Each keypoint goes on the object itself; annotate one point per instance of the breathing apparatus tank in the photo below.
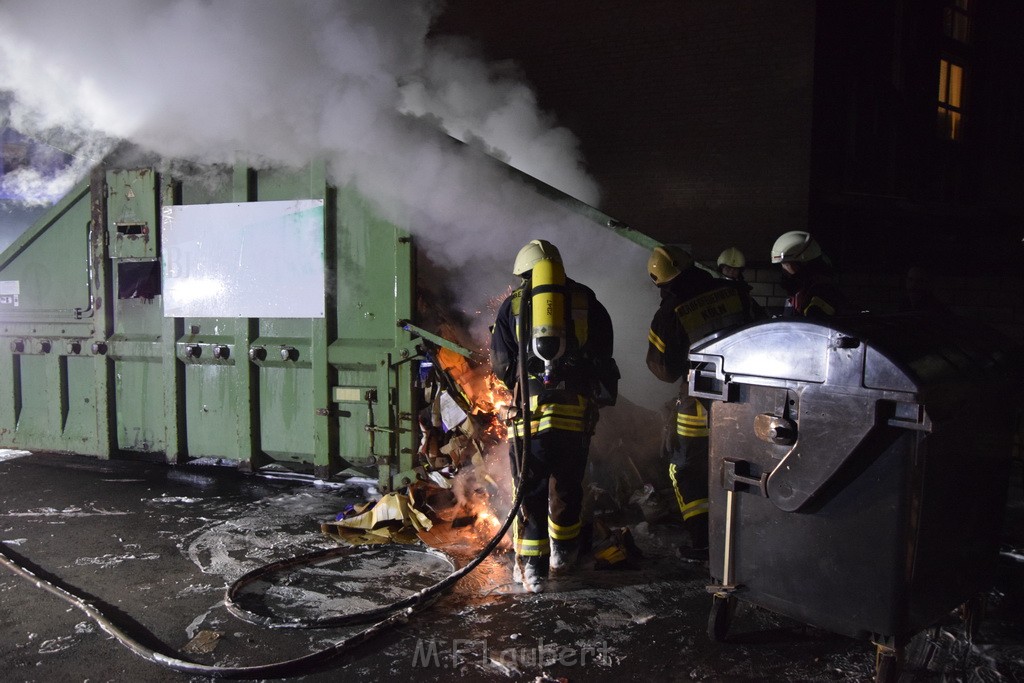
(547, 325)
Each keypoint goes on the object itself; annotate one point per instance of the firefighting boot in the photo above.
(563, 556)
(698, 528)
(531, 572)
(697, 550)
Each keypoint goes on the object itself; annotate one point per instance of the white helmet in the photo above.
(795, 246)
(733, 258)
(533, 251)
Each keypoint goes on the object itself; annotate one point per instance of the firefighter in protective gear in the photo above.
(731, 263)
(571, 373)
(812, 293)
(694, 304)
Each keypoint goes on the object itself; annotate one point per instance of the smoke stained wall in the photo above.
(357, 83)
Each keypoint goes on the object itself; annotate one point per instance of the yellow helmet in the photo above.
(795, 245)
(535, 250)
(732, 257)
(666, 262)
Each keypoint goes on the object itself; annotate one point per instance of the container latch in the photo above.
(736, 472)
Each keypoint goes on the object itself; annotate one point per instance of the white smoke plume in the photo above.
(356, 82)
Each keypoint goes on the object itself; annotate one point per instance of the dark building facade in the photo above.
(918, 132)
(893, 130)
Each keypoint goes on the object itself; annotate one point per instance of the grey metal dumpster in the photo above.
(858, 469)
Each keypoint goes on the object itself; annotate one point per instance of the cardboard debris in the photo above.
(203, 644)
(439, 479)
(452, 414)
(392, 519)
(463, 445)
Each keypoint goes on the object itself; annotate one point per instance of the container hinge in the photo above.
(775, 429)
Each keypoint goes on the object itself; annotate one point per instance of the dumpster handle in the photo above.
(731, 478)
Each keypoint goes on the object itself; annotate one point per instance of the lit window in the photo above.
(951, 84)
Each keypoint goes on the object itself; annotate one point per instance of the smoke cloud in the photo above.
(357, 83)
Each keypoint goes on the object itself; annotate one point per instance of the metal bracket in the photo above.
(707, 380)
(434, 339)
(734, 474)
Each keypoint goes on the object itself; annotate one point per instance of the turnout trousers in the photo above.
(686, 445)
(552, 483)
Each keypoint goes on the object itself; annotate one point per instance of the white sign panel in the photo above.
(244, 260)
(9, 291)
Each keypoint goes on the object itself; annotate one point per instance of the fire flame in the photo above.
(487, 524)
(484, 396)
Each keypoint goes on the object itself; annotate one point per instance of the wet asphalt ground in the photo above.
(153, 547)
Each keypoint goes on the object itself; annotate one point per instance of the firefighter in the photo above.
(731, 263)
(694, 304)
(812, 293)
(571, 373)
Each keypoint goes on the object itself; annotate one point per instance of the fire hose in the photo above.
(398, 612)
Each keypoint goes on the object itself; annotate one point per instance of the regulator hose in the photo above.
(398, 612)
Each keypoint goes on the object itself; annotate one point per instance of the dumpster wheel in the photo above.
(720, 617)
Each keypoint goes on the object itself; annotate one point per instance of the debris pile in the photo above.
(463, 492)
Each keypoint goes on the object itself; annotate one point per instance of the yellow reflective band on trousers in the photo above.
(694, 426)
(564, 533)
(656, 341)
(568, 418)
(526, 546)
(688, 508)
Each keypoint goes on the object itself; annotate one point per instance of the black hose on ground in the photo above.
(398, 612)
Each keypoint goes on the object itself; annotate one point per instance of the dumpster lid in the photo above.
(895, 352)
